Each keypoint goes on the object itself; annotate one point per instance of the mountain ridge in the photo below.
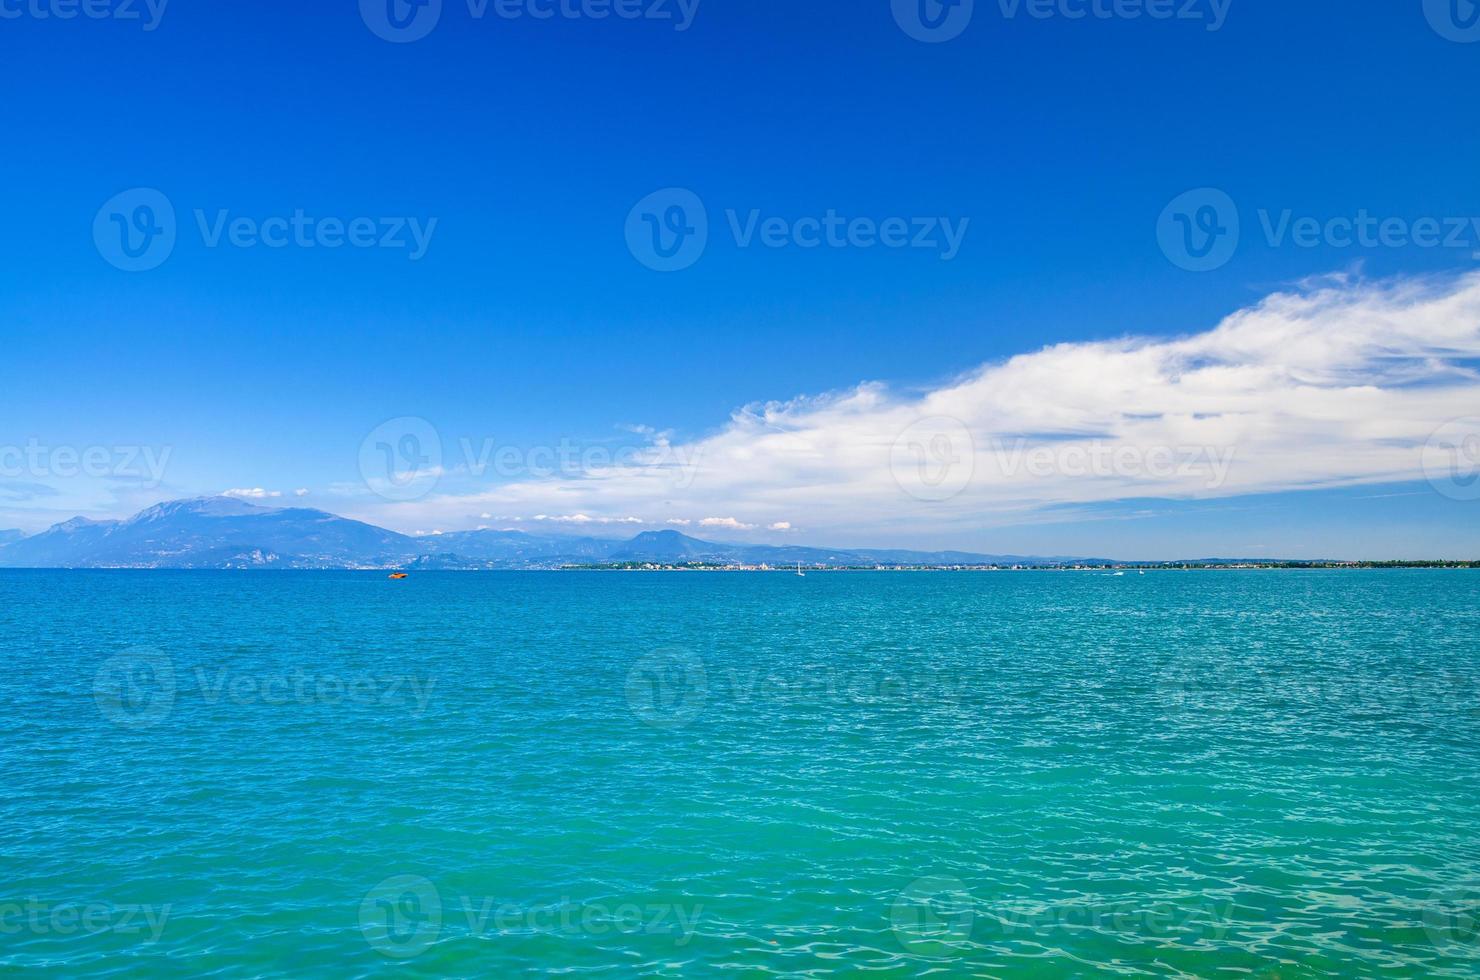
(226, 532)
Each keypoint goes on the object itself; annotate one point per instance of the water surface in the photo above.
(899, 774)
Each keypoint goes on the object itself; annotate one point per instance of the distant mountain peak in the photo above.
(229, 532)
(219, 506)
(78, 523)
(665, 545)
(664, 535)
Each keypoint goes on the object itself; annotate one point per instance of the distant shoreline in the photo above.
(732, 569)
(1118, 567)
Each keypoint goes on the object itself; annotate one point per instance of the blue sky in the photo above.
(1055, 143)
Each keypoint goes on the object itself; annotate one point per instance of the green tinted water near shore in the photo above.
(1035, 774)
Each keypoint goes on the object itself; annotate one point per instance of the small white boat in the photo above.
(800, 573)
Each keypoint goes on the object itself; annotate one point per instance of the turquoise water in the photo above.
(1012, 774)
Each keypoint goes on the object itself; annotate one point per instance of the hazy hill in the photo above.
(224, 532)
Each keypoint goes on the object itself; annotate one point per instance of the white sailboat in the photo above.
(800, 573)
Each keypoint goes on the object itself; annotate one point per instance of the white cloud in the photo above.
(679, 521)
(301, 492)
(1339, 382)
(726, 522)
(255, 493)
(587, 519)
(779, 526)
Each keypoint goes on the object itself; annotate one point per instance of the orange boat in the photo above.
(399, 575)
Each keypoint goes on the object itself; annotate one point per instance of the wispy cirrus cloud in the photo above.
(1337, 382)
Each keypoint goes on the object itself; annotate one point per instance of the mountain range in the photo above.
(225, 532)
